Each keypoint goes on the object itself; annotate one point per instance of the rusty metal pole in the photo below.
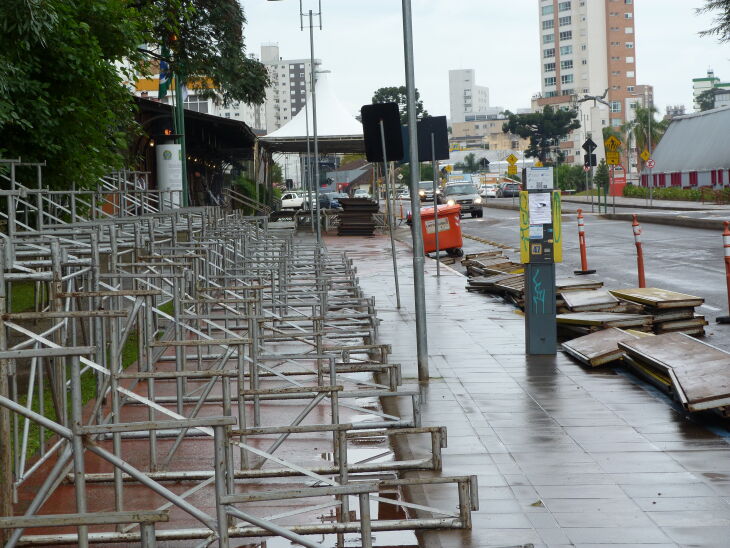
(639, 252)
(582, 241)
(726, 246)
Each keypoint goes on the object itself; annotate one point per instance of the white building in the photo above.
(469, 102)
(290, 83)
(588, 48)
(700, 85)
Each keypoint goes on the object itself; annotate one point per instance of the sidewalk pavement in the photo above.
(564, 456)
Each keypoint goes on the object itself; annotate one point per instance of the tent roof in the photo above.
(695, 142)
(337, 130)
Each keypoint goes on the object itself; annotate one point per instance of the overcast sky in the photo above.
(361, 43)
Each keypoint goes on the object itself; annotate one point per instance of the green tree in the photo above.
(721, 22)
(398, 95)
(570, 177)
(64, 66)
(426, 172)
(277, 175)
(207, 48)
(600, 178)
(544, 129)
(638, 129)
(469, 165)
(706, 100)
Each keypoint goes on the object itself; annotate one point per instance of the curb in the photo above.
(663, 208)
(674, 220)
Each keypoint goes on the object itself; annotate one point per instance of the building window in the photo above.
(563, 6)
(549, 67)
(629, 45)
(547, 53)
(630, 74)
(547, 10)
(548, 24)
(564, 21)
(630, 88)
(549, 94)
(629, 59)
(628, 15)
(566, 65)
(566, 79)
(615, 106)
(628, 1)
(566, 35)
(584, 62)
(550, 81)
(548, 38)
(616, 122)
(566, 50)
(629, 30)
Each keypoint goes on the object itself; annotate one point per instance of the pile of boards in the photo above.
(695, 373)
(648, 309)
(356, 218)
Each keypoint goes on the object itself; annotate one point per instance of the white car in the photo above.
(293, 200)
(361, 193)
(488, 191)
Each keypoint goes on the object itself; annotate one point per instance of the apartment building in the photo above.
(468, 101)
(290, 83)
(700, 85)
(588, 48)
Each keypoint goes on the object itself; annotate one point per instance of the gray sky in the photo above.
(361, 43)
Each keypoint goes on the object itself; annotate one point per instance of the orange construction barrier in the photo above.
(582, 241)
(639, 251)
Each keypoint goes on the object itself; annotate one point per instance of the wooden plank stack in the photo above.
(356, 218)
(671, 311)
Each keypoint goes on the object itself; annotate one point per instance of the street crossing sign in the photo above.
(612, 144)
(589, 146)
(645, 155)
(512, 170)
(512, 159)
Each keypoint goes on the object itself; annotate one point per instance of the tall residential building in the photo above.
(469, 101)
(588, 48)
(290, 83)
(700, 85)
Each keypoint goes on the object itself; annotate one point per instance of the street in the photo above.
(687, 260)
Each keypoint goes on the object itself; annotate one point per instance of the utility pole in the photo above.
(179, 119)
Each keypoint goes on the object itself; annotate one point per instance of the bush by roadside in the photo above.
(703, 194)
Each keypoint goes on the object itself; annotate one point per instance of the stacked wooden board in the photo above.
(671, 311)
(698, 373)
(356, 218)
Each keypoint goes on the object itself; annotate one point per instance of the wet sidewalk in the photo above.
(564, 456)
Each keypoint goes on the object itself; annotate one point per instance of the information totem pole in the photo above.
(541, 247)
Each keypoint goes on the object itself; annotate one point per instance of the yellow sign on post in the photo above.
(538, 163)
(511, 170)
(512, 159)
(613, 158)
(645, 155)
(612, 144)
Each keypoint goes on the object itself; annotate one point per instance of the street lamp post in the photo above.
(418, 258)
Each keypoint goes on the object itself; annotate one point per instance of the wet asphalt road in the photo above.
(688, 260)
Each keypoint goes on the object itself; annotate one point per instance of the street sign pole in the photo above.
(419, 282)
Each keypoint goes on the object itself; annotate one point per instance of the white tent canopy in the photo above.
(337, 130)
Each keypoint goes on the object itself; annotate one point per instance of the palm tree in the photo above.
(638, 128)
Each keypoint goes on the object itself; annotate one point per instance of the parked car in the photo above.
(361, 193)
(488, 191)
(464, 194)
(508, 190)
(403, 194)
(293, 200)
(330, 200)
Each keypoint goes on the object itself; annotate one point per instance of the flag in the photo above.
(165, 74)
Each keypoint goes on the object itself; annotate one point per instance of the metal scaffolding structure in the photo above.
(174, 360)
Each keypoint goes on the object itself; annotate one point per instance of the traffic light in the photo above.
(589, 160)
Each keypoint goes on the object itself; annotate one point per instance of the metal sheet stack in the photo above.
(356, 218)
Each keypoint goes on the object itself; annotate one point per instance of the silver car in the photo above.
(466, 195)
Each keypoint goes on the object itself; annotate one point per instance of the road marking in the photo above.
(708, 307)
